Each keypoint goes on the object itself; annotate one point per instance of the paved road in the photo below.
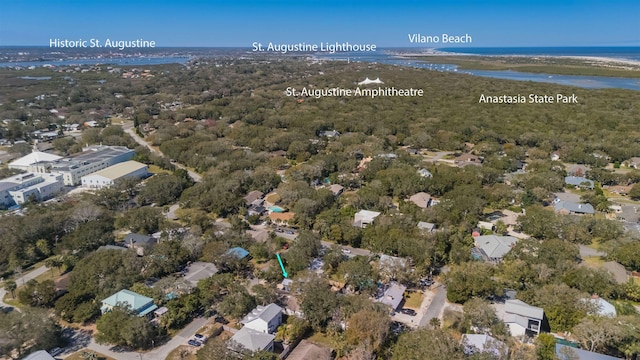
(158, 353)
(23, 280)
(436, 306)
(352, 251)
(586, 251)
(171, 214)
(128, 128)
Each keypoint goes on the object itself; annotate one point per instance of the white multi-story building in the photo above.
(90, 160)
(107, 177)
(17, 189)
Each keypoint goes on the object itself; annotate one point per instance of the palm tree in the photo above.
(89, 355)
(11, 287)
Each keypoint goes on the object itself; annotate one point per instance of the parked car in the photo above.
(221, 320)
(194, 343)
(346, 251)
(200, 337)
(409, 312)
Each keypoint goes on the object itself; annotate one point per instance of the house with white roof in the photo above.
(482, 343)
(265, 319)
(364, 218)
(602, 306)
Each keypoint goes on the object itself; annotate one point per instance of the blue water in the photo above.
(587, 82)
(618, 52)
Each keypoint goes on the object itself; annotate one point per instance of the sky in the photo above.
(239, 23)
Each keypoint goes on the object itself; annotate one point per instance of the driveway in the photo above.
(160, 352)
(567, 196)
(23, 280)
(586, 251)
(436, 307)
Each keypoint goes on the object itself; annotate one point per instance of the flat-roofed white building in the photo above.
(107, 177)
(17, 189)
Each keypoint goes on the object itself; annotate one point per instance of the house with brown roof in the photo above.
(421, 199)
(253, 196)
(620, 189)
(281, 218)
(620, 274)
(468, 159)
(308, 350)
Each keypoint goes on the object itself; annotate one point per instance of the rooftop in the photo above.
(518, 307)
(494, 246)
(34, 157)
(136, 302)
(572, 207)
(250, 340)
(119, 170)
(238, 252)
(266, 313)
(393, 295)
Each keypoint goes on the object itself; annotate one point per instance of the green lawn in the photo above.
(413, 300)
(594, 261)
(78, 355)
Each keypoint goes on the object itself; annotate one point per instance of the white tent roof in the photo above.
(33, 158)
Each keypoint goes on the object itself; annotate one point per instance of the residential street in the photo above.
(128, 128)
(160, 352)
(22, 280)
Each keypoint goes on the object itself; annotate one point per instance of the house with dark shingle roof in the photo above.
(579, 182)
(571, 208)
(139, 242)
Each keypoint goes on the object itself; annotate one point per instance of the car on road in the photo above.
(195, 343)
(409, 312)
(346, 251)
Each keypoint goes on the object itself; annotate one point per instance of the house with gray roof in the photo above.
(393, 295)
(247, 340)
(579, 182)
(564, 352)
(620, 274)
(265, 319)
(482, 343)
(493, 247)
(426, 226)
(139, 242)
(523, 319)
(571, 208)
(39, 355)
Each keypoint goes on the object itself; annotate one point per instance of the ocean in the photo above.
(614, 52)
